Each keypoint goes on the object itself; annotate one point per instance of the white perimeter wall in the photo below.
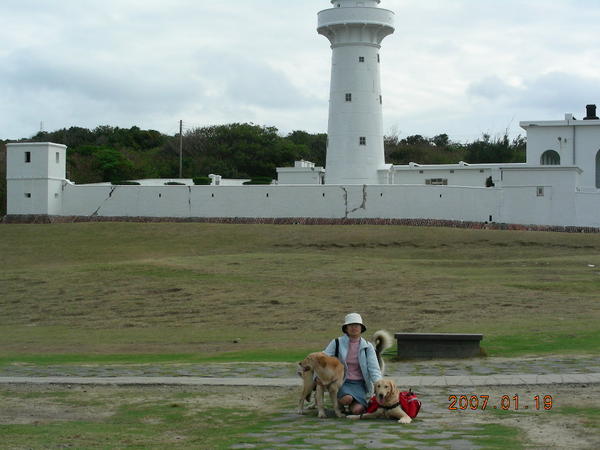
(587, 208)
(510, 205)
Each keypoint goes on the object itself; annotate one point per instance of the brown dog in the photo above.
(325, 373)
(387, 395)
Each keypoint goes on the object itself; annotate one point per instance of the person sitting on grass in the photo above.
(360, 363)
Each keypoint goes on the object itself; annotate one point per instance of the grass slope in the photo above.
(187, 291)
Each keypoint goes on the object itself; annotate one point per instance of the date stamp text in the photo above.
(514, 402)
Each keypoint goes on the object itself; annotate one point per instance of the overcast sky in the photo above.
(462, 67)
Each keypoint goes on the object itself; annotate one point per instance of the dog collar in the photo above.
(395, 405)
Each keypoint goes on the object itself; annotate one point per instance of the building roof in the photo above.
(569, 121)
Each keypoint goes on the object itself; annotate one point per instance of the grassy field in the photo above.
(127, 417)
(186, 292)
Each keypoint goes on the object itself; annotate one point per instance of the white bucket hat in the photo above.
(353, 318)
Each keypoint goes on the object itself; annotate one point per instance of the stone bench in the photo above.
(437, 345)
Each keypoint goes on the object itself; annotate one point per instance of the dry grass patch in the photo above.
(101, 288)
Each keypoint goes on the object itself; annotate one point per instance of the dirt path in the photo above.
(571, 422)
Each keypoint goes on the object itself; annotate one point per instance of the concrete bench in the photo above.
(437, 345)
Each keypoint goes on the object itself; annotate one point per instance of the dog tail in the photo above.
(383, 340)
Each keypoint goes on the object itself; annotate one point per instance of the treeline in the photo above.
(440, 150)
(232, 151)
(238, 150)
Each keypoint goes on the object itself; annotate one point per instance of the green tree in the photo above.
(497, 150)
(112, 164)
(314, 146)
(238, 150)
(441, 140)
(72, 137)
(91, 164)
(419, 149)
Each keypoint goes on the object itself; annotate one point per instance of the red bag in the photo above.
(372, 406)
(410, 404)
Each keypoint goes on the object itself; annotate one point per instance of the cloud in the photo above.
(551, 91)
(145, 62)
(133, 87)
(490, 88)
(150, 63)
(559, 90)
(251, 82)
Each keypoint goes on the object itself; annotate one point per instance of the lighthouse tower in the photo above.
(355, 29)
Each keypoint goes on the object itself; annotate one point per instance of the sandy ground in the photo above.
(558, 427)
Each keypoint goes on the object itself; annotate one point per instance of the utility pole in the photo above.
(181, 149)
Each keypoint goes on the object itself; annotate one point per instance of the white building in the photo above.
(303, 172)
(567, 142)
(558, 185)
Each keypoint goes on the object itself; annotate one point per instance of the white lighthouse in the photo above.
(355, 29)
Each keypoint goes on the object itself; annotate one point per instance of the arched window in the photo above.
(550, 158)
(598, 169)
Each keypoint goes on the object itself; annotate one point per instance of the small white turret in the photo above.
(35, 173)
(355, 29)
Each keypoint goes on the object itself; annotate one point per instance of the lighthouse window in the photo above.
(381, 100)
(378, 58)
(57, 157)
(361, 59)
(28, 195)
(348, 97)
(362, 140)
(27, 157)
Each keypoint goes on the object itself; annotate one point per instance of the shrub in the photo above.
(124, 183)
(202, 181)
